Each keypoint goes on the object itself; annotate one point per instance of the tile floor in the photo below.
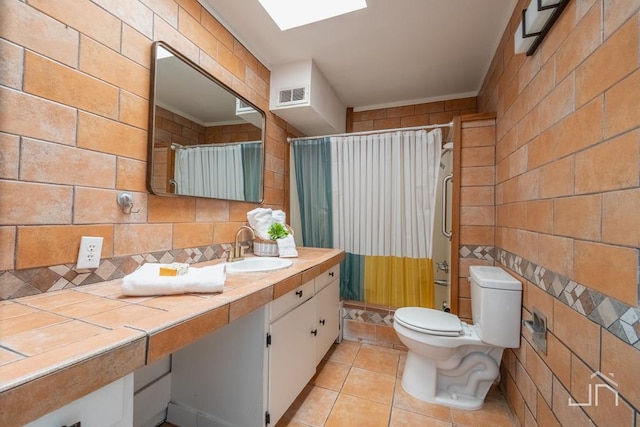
(360, 385)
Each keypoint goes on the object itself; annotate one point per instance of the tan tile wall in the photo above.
(567, 199)
(429, 113)
(477, 201)
(74, 85)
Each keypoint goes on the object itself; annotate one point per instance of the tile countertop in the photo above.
(59, 346)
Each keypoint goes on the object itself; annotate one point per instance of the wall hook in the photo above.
(125, 200)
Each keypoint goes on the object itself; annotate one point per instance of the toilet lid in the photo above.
(430, 321)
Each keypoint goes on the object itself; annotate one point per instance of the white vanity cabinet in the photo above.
(111, 405)
(291, 339)
(249, 372)
(327, 297)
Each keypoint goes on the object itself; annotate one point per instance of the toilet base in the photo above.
(451, 400)
(463, 386)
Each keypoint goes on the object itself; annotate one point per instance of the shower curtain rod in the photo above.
(443, 125)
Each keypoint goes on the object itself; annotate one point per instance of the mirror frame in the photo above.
(152, 121)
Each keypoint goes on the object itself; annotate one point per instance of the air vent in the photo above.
(292, 96)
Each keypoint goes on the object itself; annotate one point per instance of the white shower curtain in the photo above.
(210, 171)
(383, 192)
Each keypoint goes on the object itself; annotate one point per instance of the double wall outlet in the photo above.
(89, 253)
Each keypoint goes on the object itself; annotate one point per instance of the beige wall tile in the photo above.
(95, 206)
(7, 248)
(556, 253)
(611, 270)
(131, 175)
(85, 17)
(609, 64)
(55, 122)
(619, 217)
(578, 217)
(557, 178)
(60, 164)
(540, 373)
(141, 238)
(10, 149)
(477, 196)
(59, 83)
(191, 234)
(624, 362)
(579, 130)
(586, 345)
(544, 414)
(607, 411)
(108, 136)
(483, 175)
(137, 15)
(476, 235)
(34, 244)
(567, 415)
(593, 166)
(11, 65)
(478, 156)
(21, 203)
(39, 32)
(171, 209)
(558, 104)
(580, 43)
(135, 45)
(618, 117)
(134, 110)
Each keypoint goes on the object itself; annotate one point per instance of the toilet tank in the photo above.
(496, 306)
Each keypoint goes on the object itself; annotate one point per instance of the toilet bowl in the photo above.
(450, 362)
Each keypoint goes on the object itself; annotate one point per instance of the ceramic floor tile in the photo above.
(89, 307)
(495, 412)
(378, 359)
(352, 411)
(330, 375)
(9, 309)
(345, 352)
(311, 407)
(403, 400)
(61, 298)
(370, 385)
(402, 418)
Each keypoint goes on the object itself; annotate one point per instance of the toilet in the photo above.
(453, 363)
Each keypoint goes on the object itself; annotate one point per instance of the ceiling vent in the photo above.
(302, 96)
(292, 96)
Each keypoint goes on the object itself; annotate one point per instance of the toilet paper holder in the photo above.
(538, 328)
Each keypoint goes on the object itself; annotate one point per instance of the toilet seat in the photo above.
(429, 321)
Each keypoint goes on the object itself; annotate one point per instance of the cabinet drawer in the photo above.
(291, 300)
(327, 277)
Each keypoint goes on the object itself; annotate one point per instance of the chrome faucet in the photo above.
(443, 266)
(237, 252)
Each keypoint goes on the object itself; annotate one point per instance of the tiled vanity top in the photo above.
(59, 346)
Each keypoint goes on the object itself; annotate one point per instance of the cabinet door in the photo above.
(111, 405)
(291, 357)
(328, 318)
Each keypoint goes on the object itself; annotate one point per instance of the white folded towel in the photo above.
(287, 247)
(279, 216)
(146, 281)
(260, 219)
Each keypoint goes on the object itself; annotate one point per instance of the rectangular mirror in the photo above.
(204, 139)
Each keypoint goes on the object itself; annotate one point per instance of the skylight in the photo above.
(289, 14)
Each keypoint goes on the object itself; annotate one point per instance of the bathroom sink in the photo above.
(254, 265)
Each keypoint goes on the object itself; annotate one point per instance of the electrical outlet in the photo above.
(89, 253)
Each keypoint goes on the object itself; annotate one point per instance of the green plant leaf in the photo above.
(277, 231)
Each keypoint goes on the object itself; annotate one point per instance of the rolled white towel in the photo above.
(287, 247)
(260, 219)
(146, 281)
(279, 216)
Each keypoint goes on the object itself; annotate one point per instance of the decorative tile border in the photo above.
(363, 315)
(617, 317)
(32, 281)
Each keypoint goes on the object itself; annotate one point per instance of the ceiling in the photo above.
(394, 52)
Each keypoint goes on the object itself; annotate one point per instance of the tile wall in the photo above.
(567, 193)
(74, 89)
